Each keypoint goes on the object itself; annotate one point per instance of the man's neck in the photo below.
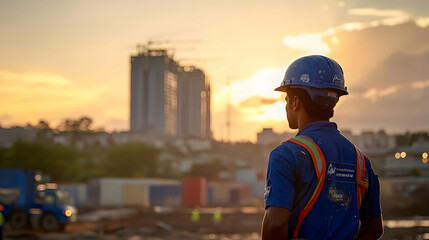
(306, 120)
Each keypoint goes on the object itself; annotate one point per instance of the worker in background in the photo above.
(217, 219)
(1, 221)
(319, 185)
(195, 218)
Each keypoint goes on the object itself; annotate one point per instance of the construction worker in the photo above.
(1, 221)
(195, 218)
(217, 219)
(319, 185)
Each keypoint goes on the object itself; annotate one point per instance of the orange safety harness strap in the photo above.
(319, 163)
(362, 183)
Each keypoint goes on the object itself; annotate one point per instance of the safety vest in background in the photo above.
(195, 215)
(217, 216)
(1, 219)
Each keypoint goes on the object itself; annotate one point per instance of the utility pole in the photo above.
(228, 107)
(228, 110)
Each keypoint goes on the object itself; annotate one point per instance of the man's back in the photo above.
(292, 179)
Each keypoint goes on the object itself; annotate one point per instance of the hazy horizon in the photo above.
(72, 58)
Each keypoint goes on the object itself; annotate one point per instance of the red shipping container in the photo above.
(244, 191)
(194, 191)
(239, 192)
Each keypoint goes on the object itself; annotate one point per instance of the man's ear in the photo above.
(296, 104)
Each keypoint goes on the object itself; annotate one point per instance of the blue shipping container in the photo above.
(165, 195)
(210, 195)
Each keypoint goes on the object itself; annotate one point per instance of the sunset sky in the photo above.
(71, 58)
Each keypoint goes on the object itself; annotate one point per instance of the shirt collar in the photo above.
(314, 126)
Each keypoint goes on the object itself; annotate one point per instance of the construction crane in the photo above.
(228, 106)
(150, 44)
(203, 61)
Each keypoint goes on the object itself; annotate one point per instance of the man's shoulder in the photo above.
(288, 150)
(287, 147)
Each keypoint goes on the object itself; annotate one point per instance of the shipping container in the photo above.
(242, 192)
(135, 195)
(221, 194)
(229, 193)
(111, 192)
(245, 176)
(93, 191)
(210, 195)
(194, 191)
(106, 192)
(165, 195)
(234, 196)
(257, 189)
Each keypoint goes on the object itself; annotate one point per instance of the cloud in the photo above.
(308, 43)
(316, 43)
(378, 13)
(420, 84)
(385, 62)
(257, 101)
(262, 83)
(386, 73)
(422, 22)
(400, 68)
(389, 17)
(373, 94)
(33, 79)
(272, 112)
(27, 97)
(362, 52)
(394, 97)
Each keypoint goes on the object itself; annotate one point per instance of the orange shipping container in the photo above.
(194, 191)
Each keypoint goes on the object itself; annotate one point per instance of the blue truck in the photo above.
(28, 200)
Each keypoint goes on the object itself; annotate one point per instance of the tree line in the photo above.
(64, 163)
(71, 163)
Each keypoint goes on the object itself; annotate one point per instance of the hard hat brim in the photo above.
(281, 88)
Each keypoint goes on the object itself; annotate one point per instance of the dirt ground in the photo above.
(147, 224)
(140, 224)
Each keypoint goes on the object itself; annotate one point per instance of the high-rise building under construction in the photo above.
(168, 100)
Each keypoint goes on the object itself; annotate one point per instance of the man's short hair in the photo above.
(322, 108)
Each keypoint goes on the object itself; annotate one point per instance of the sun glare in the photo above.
(309, 43)
(265, 113)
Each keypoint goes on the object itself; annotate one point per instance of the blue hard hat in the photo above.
(318, 75)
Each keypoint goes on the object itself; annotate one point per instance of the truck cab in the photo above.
(53, 209)
(30, 200)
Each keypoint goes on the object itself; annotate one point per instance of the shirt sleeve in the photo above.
(280, 183)
(370, 207)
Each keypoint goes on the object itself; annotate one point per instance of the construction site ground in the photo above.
(175, 224)
(140, 224)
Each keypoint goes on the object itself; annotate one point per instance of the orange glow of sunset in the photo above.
(65, 59)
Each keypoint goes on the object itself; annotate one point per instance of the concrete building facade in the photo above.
(194, 104)
(168, 100)
(153, 94)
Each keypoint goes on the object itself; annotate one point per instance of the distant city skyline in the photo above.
(69, 58)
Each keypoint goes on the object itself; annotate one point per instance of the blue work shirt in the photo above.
(291, 179)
